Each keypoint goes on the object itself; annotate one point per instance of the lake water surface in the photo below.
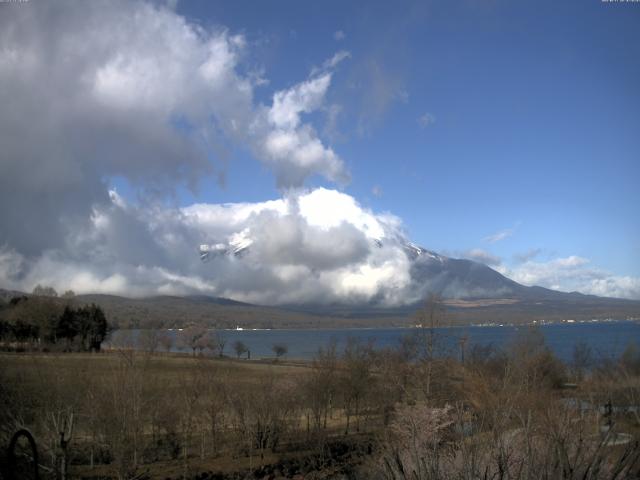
(606, 339)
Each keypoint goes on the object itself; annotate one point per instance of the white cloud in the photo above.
(302, 98)
(327, 209)
(133, 90)
(570, 262)
(336, 59)
(293, 150)
(339, 35)
(615, 286)
(426, 120)
(296, 154)
(573, 273)
(502, 234)
(320, 246)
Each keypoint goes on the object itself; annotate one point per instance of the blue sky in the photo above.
(503, 132)
(534, 108)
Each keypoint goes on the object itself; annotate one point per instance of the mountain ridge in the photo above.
(472, 292)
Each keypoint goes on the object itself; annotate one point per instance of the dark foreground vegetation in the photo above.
(412, 412)
(415, 412)
(43, 321)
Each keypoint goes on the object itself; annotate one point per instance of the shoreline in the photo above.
(540, 323)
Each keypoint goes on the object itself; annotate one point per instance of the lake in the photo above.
(606, 339)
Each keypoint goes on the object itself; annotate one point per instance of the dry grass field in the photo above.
(392, 414)
(165, 407)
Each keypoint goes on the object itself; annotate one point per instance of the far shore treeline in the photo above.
(47, 321)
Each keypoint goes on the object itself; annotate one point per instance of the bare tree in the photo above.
(222, 341)
(148, 340)
(192, 388)
(123, 410)
(319, 387)
(202, 343)
(216, 384)
(240, 348)
(431, 316)
(582, 360)
(44, 291)
(356, 379)
(534, 362)
(165, 339)
(193, 338)
(280, 349)
(60, 404)
(393, 376)
(413, 447)
(211, 342)
(262, 413)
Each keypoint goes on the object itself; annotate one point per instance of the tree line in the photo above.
(45, 321)
(195, 339)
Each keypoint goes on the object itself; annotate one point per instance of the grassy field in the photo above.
(49, 387)
(166, 367)
(363, 414)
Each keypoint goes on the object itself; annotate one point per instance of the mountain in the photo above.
(451, 278)
(455, 278)
(458, 278)
(473, 293)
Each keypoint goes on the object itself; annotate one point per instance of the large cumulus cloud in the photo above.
(296, 252)
(93, 90)
(97, 90)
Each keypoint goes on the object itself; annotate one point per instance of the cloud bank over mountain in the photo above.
(319, 247)
(93, 91)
